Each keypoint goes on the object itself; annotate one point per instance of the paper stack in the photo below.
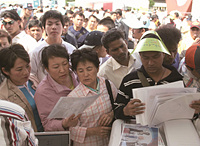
(165, 102)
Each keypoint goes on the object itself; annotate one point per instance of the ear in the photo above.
(5, 72)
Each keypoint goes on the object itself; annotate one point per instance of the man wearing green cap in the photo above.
(152, 52)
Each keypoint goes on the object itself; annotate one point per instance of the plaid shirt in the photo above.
(89, 117)
(189, 79)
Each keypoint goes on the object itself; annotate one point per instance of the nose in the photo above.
(62, 69)
(26, 71)
(85, 73)
(150, 62)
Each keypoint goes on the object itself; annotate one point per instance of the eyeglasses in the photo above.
(10, 22)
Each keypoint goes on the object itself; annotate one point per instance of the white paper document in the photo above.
(160, 99)
(66, 106)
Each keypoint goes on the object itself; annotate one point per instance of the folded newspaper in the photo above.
(66, 106)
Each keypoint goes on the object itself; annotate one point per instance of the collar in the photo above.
(116, 65)
(20, 35)
(97, 90)
(86, 90)
(60, 88)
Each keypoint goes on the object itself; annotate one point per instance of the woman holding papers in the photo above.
(93, 126)
(19, 86)
(60, 81)
(152, 51)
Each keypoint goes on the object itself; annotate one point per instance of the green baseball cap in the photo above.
(151, 44)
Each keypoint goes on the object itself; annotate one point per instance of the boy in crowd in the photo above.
(53, 24)
(36, 30)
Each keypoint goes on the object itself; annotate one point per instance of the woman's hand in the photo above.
(106, 119)
(71, 121)
(134, 107)
(196, 105)
(99, 131)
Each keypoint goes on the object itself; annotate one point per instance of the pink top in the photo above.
(46, 96)
(89, 117)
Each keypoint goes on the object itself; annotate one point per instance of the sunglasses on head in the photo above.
(10, 22)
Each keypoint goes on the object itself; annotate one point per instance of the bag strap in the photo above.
(143, 79)
(110, 93)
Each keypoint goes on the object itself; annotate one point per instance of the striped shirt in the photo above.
(132, 81)
(15, 129)
(89, 117)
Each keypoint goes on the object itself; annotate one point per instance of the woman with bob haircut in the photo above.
(19, 87)
(93, 127)
(59, 81)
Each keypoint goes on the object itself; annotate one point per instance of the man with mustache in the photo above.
(192, 37)
(121, 61)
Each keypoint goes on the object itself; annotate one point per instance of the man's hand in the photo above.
(196, 105)
(134, 107)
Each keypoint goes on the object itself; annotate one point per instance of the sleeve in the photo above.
(78, 133)
(121, 101)
(33, 63)
(45, 105)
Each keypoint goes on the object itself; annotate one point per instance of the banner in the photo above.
(182, 6)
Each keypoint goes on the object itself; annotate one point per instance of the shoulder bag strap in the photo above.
(143, 79)
(110, 93)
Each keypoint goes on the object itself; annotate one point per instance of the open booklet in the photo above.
(66, 106)
(135, 134)
(165, 102)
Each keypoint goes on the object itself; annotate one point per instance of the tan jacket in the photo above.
(10, 92)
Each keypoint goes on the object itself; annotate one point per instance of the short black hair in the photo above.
(93, 17)
(69, 12)
(66, 19)
(110, 36)
(83, 55)
(34, 22)
(170, 35)
(54, 50)
(119, 11)
(78, 13)
(9, 55)
(10, 14)
(108, 22)
(52, 14)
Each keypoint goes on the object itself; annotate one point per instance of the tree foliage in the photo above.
(151, 3)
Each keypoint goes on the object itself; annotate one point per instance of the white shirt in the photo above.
(28, 42)
(35, 56)
(115, 72)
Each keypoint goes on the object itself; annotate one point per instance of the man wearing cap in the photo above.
(93, 40)
(138, 28)
(193, 36)
(12, 23)
(190, 69)
(121, 61)
(27, 16)
(152, 72)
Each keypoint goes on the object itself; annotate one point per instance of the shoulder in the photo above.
(69, 47)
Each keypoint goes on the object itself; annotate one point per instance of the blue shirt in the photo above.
(29, 92)
(79, 35)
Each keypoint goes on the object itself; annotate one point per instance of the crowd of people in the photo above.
(48, 54)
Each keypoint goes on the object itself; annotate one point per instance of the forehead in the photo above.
(102, 28)
(79, 17)
(53, 20)
(150, 53)
(35, 27)
(7, 19)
